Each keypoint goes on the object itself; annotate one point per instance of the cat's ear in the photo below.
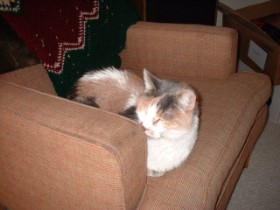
(151, 81)
(186, 100)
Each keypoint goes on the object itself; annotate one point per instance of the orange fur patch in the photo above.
(110, 88)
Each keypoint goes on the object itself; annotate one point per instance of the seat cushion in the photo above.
(229, 108)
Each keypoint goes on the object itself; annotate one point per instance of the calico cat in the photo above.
(166, 109)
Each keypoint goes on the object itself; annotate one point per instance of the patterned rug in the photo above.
(72, 38)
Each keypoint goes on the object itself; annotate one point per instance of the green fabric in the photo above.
(105, 38)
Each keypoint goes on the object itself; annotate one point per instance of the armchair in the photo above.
(58, 154)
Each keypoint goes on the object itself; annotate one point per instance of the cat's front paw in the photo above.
(154, 173)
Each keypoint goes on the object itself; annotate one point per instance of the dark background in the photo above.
(182, 11)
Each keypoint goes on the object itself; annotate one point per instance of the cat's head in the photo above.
(166, 109)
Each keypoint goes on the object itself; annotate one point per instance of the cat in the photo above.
(166, 109)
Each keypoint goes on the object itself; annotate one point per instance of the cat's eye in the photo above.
(156, 121)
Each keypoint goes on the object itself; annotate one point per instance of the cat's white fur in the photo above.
(109, 73)
(168, 150)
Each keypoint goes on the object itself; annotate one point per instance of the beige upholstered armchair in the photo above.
(58, 154)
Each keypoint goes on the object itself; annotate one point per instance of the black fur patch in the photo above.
(89, 101)
(72, 94)
(167, 102)
(85, 100)
(130, 113)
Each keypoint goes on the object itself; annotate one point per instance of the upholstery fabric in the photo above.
(188, 51)
(196, 185)
(242, 160)
(55, 152)
(34, 77)
(68, 152)
(223, 131)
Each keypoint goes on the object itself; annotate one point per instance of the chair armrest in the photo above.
(34, 77)
(181, 50)
(58, 153)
